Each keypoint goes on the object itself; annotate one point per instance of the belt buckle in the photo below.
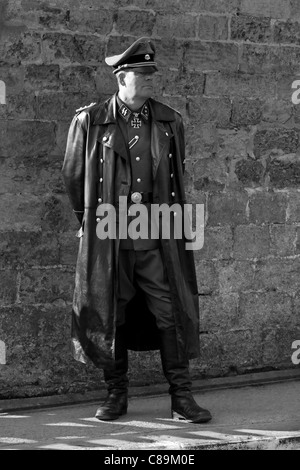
(136, 197)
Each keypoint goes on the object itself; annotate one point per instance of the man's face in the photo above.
(138, 83)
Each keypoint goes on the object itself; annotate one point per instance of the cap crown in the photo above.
(140, 54)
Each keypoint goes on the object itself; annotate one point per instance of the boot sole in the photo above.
(198, 419)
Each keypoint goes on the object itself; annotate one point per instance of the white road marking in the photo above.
(70, 447)
(7, 416)
(15, 440)
(78, 425)
(265, 432)
(137, 424)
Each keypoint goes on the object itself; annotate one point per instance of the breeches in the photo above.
(145, 270)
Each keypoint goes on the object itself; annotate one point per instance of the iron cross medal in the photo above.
(136, 121)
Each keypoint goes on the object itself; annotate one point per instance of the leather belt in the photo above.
(140, 198)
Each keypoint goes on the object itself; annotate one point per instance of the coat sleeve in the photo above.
(74, 165)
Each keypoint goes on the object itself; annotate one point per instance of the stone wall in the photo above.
(228, 66)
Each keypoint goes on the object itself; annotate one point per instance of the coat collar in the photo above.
(106, 113)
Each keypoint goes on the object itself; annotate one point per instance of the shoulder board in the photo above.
(84, 107)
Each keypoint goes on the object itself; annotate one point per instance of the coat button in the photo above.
(101, 179)
(173, 194)
(170, 155)
(137, 159)
(171, 175)
(101, 160)
(105, 138)
(183, 161)
(98, 220)
(167, 134)
(139, 180)
(100, 199)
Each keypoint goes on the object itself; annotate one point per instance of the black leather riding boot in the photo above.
(116, 380)
(176, 371)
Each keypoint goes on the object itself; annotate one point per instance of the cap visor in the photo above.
(142, 68)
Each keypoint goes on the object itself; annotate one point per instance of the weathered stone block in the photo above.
(201, 140)
(214, 6)
(170, 51)
(265, 310)
(65, 48)
(32, 334)
(211, 56)
(283, 240)
(279, 274)
(22, 48)
(137, 22)
(56, 213)
(206, 276)
(217, 244)
(8, 287)
(41, 77)
(251, 242)
(179, 25)
(258, 59)
(240, 84)
(214, 28)
(61, 134)
(26, 138)
(295, 9)
(91, 20)
(278, 112)
(19, 249)
(20, 212)
(218, 312)
(251, 28)
(236, 276)
(287, 32)
(284, 172)
(203, 110)
(267, 207)
(105, 81)
(46, 286)
(227, 208)
(13, 76)
(249, 172)
(235, 350)
(62, 106)
(210, 174)
(34, 175)
(293, 210)
(267, 140)
(285, 80)
(19, 106)
(246, 112)
(176, 82)
(68, 247)
(270, 8)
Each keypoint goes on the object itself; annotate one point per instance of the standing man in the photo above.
(137, 294)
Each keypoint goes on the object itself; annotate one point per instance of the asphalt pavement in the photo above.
(256, 411)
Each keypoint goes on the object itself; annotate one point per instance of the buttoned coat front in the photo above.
(96, 171)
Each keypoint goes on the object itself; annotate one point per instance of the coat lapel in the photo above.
(110, 135)
(160, 144)
(160, 133)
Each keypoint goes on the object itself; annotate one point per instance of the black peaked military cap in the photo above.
(140, 54)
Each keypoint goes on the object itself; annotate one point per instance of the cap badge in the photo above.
(147, 57)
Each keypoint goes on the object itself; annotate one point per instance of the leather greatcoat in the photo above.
(96, 170)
